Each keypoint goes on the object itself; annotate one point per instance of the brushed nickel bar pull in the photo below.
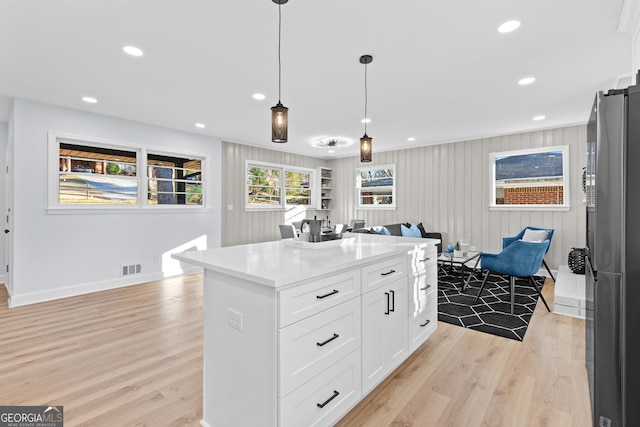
(322, 405)
(320, 344)
(335, 291)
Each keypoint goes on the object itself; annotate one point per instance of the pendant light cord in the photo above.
(365, 99)
(279, 61)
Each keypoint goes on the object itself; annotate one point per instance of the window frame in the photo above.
(282, 186)
(564, 149)
(141, 206)
(394, 193)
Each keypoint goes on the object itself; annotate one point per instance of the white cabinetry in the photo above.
(301, 343)
(384, 331)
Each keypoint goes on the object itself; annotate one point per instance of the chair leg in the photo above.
(484, 282)
(512, 286)
(548, 270)
(533, 283)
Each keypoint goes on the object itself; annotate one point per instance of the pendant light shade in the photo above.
(279, 123)
(365, 141)
(365, 148)
(279, 113)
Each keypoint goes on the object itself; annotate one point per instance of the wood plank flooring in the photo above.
(133, 357)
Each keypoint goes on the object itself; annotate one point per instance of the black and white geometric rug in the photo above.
(492, 313)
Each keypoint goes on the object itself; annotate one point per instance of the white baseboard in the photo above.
(3, 279)
(87, 288)
(203, 423)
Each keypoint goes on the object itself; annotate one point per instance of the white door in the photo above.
(8, 219)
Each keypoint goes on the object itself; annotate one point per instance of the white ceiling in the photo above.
(441, 72)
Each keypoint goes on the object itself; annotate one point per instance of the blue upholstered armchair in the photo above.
(534, 234)
(518, 259)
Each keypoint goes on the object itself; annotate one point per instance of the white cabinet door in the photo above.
(384, 332)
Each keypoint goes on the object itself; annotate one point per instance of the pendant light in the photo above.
(279, 113)
(365, 141)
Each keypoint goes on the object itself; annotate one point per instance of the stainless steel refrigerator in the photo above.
(612, 187)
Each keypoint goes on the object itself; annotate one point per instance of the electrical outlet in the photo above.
(234, 319)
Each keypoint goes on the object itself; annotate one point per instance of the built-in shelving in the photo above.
(324, 180)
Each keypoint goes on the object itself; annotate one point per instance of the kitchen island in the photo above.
(296, 336)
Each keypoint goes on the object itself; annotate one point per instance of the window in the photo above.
(173, 180)
(376, 187)
(99, 174)
(96, 175)
(267, 183)
(531, 179)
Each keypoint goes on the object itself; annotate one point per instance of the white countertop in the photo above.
(276, 265)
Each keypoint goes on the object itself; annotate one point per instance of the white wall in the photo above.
(242, 227)
(446, 187)
(4, 138)
(57, 255)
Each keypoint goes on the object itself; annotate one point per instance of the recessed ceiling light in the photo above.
(200, 125)
(411, 138)
(526, 81)
(331, 151)
(366, 120)
(509, 26)
(132, 50)
(89, 99)
(537, 118)
(258, 96)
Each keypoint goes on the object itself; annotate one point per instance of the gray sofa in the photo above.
(396, 230)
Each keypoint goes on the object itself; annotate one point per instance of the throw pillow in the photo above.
(381, 230)
(412, 231)
(535, 235)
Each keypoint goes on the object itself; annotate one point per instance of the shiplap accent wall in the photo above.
(446, 187)
(240, 227)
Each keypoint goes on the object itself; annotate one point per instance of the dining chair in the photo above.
(532, 234)
(287, 231)
(340, 228)
(519, 259)
(357, 223)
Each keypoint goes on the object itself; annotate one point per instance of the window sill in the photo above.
(133, 210)
(538, 208)
(376, 208)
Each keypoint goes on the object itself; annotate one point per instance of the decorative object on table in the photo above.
(450, 248)
(279, 113)
(315, 230)
(365, 140)
(576, 260)
(464, 245)
(491, 313)
(457, 250)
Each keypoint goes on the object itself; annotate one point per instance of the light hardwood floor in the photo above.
(133, 357)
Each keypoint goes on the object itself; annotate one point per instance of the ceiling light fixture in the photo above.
(411, 138)
(200, 125)
(258, 96)
(365, 141)
(89, 99)
(526, 81)
(279, 113)
(538, 118)
(509, 26)
(132, 50)
(332, 142)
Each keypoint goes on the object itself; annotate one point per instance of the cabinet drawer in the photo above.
(310, 298)
(424, 324)
(422, 258)
(379, 274)
(422, 287)
(326, 398)
(312, 345)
